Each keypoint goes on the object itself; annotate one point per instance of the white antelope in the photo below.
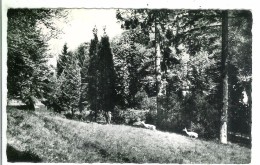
(191, 134)
(148, 126)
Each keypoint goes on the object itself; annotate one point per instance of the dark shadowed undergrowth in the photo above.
(46, 137)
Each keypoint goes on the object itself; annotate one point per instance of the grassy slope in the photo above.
(56, 139)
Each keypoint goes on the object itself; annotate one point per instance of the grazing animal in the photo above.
(148, 126)
(191, 134)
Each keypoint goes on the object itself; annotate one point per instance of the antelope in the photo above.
(148, 126)
(191, 134)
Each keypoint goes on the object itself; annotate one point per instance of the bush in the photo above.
(201, 116)
(85, 115)
(29, 101)
(128, 116)
(135, 115)
(118, 116)
(145, 102)
(193, 112)
(170, 118)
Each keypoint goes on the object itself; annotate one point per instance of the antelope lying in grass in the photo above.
(148, 126)
(191, 134)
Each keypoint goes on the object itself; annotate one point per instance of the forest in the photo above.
(170, 68)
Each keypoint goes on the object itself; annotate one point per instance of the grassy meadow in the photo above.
(51, 138)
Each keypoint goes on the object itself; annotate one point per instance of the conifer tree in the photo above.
(93, 75)
(62, 61)
(82, 54)
(107, 78)
(69, 83)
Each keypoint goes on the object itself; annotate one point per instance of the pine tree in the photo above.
(82, 54)
(69, 83)
(107, 75)
(92, 77)
(63, 59)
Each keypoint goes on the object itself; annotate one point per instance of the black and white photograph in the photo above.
(128, 85)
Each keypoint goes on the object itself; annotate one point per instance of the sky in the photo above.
(78, 28)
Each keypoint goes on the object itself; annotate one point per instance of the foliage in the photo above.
(133, 66)
(92, 75)
(67, 93)
(152, 23)
(107, 77)
(240, 71)
(63, 60)
(118, 116)
(171, 118)
(28, 72)
(100, 77)
(82, 54)
(129, 116)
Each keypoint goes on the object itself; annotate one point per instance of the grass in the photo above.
(52, 138)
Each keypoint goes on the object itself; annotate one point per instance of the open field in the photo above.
(46, 137)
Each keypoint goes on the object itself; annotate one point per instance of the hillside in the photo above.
(47, 137)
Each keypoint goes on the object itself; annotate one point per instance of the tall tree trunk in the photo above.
(81, 99)
(249, 95)
(95, 98)
(224, 112)
(158, 57)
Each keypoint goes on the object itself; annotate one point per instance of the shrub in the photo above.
(170, 117)
(128, 116)
(135, 115)
(118, 116)
(85, 115)
(193, 112)
(145, 102)
(201, 116)
(151, 117)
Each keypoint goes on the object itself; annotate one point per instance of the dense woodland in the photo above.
(183, 68)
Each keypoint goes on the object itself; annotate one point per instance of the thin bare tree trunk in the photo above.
(224, 112)
(158, 57)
